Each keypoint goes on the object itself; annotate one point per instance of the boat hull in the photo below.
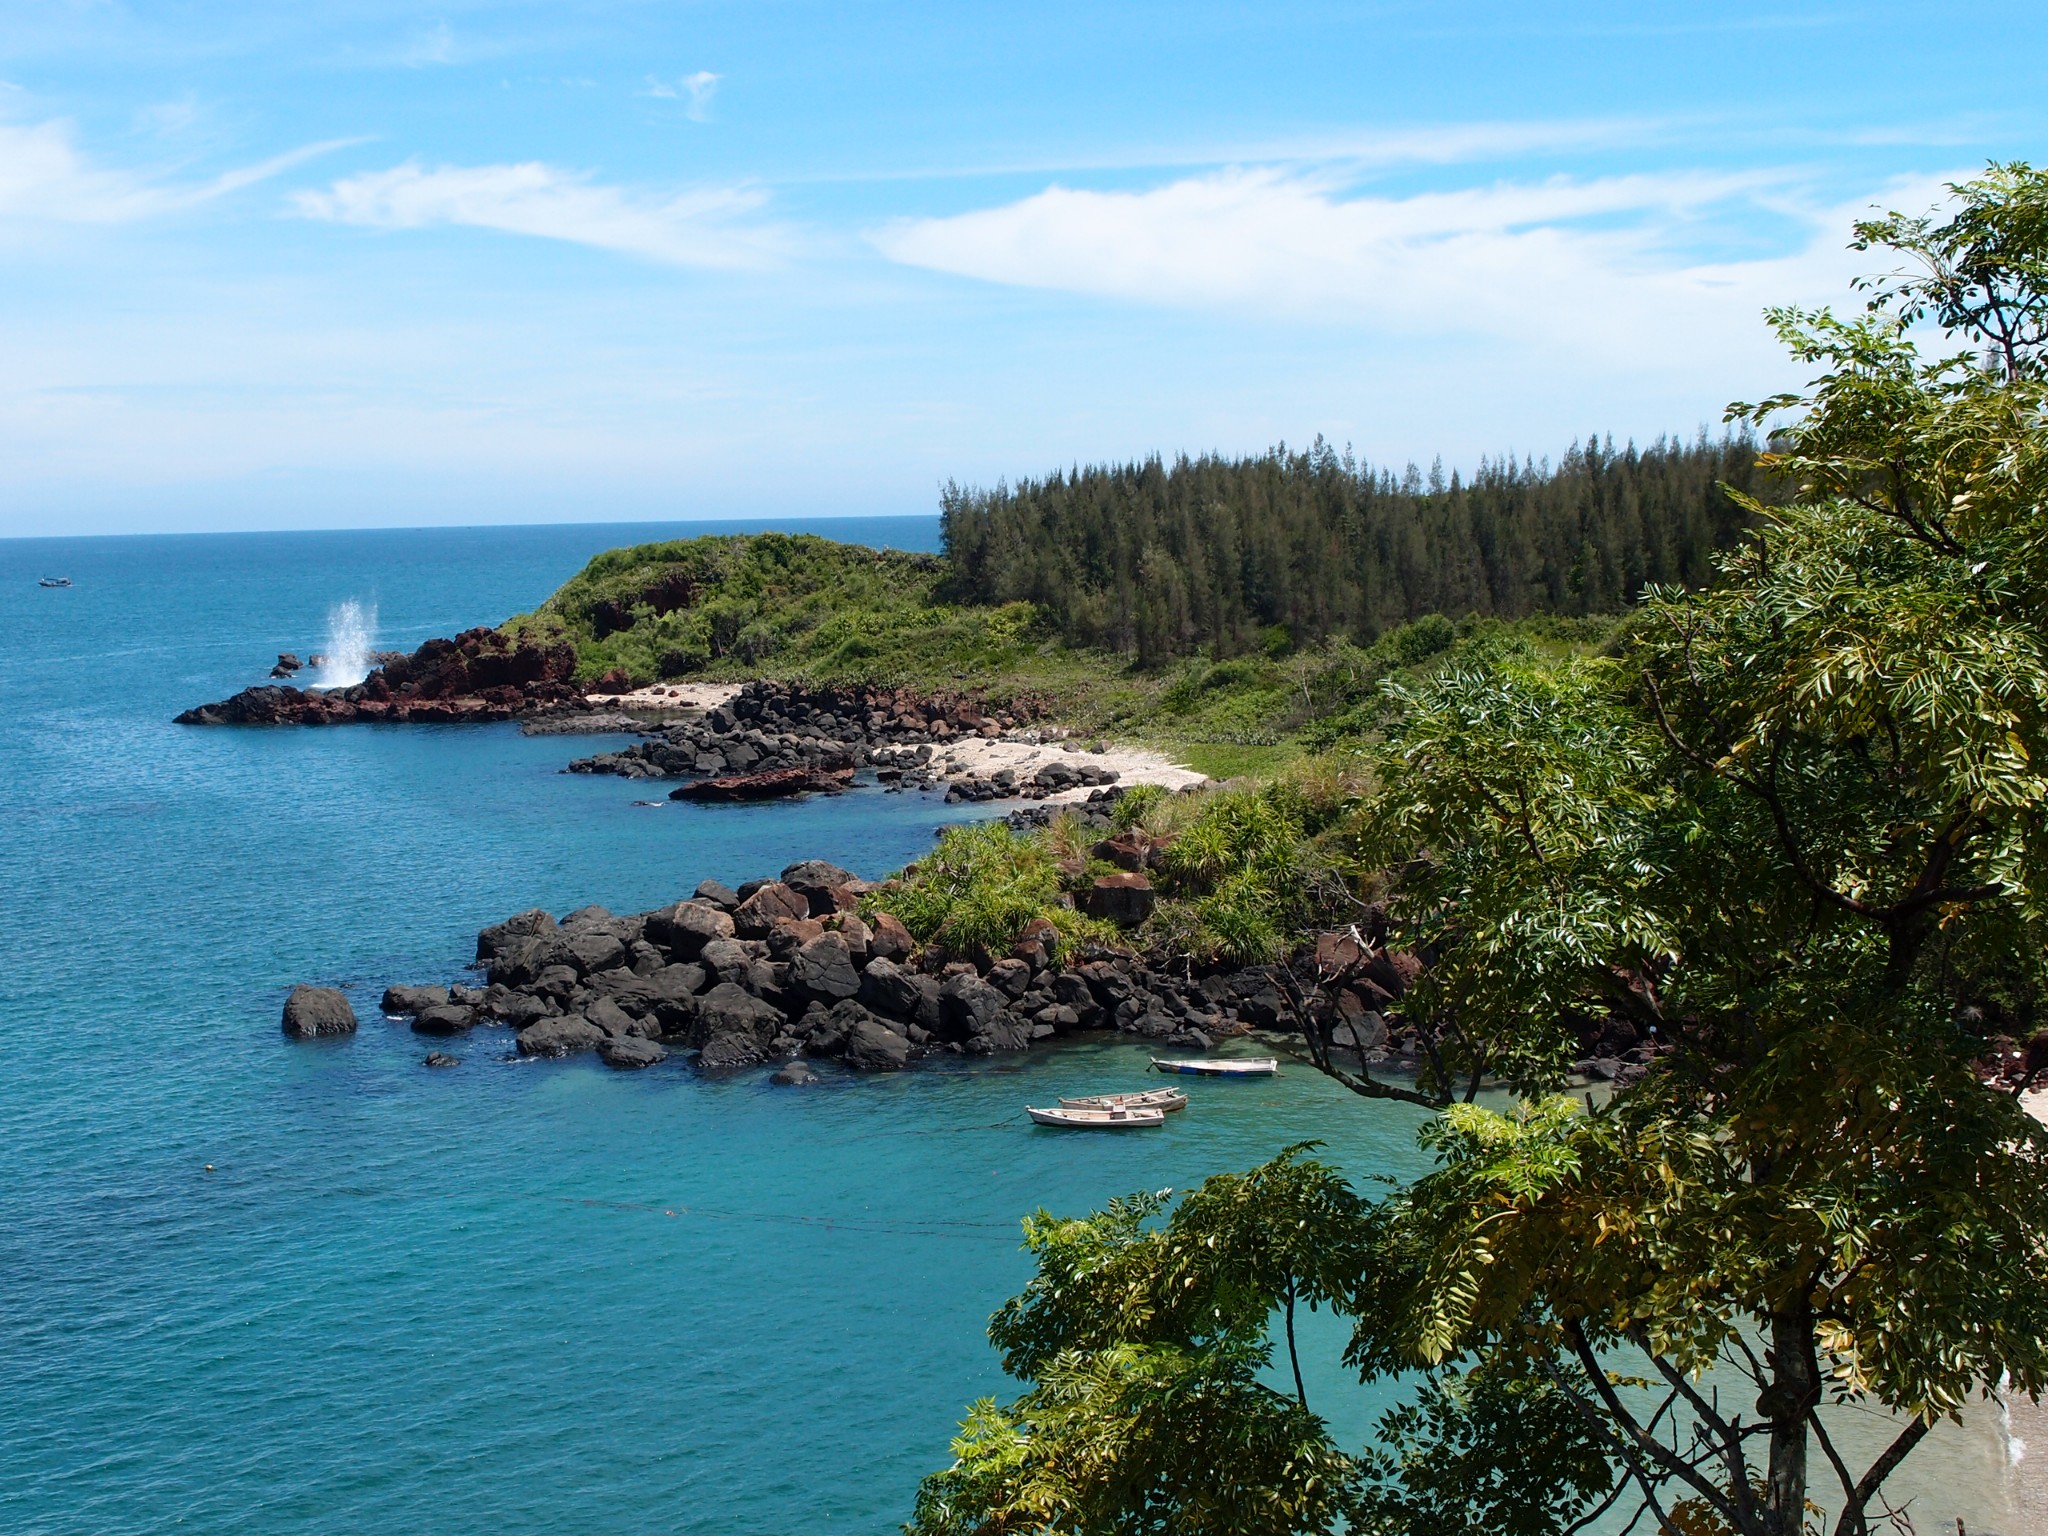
(1097, 1119)
(1166, 1099)
(1250, 1066)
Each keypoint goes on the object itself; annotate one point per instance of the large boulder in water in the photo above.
(500, 937)
(871, 1046)
(560, 1037)
(400, 1001)
(313, 1011)
(444, 1019)
(733, 1028)
(629, 1054)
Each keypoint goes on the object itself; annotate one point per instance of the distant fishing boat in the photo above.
(54, 581)
(1246, 1066)
(1166, 1100)
(1097, 1119)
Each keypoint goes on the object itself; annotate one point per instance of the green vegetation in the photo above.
(1793, 824)
(777, 605)
(1258, 556)
(1237, 873)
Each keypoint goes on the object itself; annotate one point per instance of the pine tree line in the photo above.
(1211, 553)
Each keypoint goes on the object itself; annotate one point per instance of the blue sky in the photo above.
(367, 263)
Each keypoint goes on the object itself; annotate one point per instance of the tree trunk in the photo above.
(1793, 1389)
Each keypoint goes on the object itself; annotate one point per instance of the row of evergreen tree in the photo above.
(1210, 554)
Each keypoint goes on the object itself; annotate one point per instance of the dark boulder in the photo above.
(522, 961)
(732, 1028)
(887, 988)
(767, 906)
(618, 1024)
(596, 950)
(1010, 977)
(685, 928)
(823, 970)
(1124, 899)
(628, 1054)
(794, 1075)
(888, 939)
(444, 1019)
(815, 880)
(967, 1006)
(519, 1009)
(726, 959)
(440, 1059)
(399, 1001)
(871, 1046)
(560, 1037)
(313, 1011)
(721, 896)
(499, 937)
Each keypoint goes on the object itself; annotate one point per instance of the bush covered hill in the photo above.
(775, 605)
(1216, 555)
(1227, 568)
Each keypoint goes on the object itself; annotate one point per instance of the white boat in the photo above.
(1097, 1119)
(1243, 1066)
(1164, 1099)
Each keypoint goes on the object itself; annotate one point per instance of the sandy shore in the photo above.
(979, 758)
(962, 757)
(671, 698)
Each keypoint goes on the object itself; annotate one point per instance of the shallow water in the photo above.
(508, 1298)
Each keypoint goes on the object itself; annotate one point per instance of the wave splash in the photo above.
(351, 636)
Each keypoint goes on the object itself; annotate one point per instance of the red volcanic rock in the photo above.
(478, 675)
(777, 784)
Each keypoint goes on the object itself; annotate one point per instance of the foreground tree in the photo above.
(1794, 832)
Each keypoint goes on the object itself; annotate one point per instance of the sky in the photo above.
(356, 263)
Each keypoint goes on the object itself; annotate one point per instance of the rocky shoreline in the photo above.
(810, 966)
(478, 676)
(818, 737)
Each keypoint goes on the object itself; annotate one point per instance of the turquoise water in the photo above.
(507, 1298)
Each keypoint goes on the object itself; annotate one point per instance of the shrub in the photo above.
(980, 886)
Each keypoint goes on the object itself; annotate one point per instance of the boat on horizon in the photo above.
(54, 581)
(1166, 1100)
(1243, 1066)
(1097, 1119)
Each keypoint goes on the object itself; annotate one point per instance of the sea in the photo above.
(255, 1286)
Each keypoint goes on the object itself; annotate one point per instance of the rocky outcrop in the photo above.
(770, 727)
(313, 1011)
(776, 784)
(480, 675)
(791, 968)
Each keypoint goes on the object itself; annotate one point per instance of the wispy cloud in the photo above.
(708, 227)
(696, 90)
(1588, 265)
(45, 178)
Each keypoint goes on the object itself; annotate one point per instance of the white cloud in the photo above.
(44, 178)
(698, 89)
(1594, 266)
(710, 227)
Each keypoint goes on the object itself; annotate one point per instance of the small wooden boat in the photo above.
(1243, 1066)
(54, 581)
(1097, 1119)
(1164, 1099)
